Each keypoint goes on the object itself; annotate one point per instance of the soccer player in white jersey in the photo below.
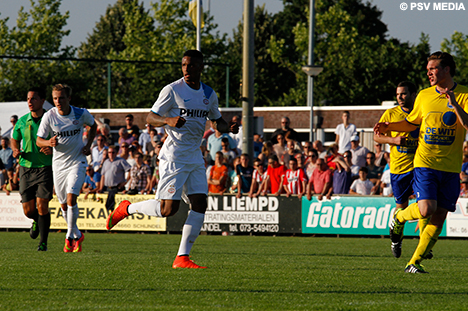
(182, 108)
(64, 124)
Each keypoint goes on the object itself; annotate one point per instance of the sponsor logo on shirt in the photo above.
(194, 113)
(67, 133)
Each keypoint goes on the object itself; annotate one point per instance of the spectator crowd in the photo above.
(128, 164)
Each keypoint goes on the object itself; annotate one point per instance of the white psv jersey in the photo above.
(195, 106)
(69, 131)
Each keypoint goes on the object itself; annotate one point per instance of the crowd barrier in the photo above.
(349, 215)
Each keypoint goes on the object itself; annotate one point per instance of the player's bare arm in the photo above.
(41, 142)
(461, 114)
(402, 126)
(15, 148)
(222, 126)
(91, 135)
(384, 139)
(158, 121)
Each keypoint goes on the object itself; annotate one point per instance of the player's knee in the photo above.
(199, 203)
(30, 213)
(169, 208)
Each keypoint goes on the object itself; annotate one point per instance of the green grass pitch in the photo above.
(126, 271)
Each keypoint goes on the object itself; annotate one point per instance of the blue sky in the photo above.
(405, 25)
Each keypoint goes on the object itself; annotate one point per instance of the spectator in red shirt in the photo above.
(218, 175)
(321, 181)
(275, 176)
(295, 180)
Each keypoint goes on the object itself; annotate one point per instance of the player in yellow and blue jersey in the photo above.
(440, 112)
(402, 149)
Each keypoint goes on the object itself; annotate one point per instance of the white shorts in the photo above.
(68, 180)
(176, 177)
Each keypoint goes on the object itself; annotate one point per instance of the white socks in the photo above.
(150, 208)
(190, 232)
(71, 216)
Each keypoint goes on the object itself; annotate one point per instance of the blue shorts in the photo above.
(444, 187)
(402, 186)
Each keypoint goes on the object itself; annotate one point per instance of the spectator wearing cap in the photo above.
(285, 128)
(145, 138)
(344, 132)
(359, 153)
(132, 129)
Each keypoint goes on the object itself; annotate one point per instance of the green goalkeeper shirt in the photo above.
(26, 130)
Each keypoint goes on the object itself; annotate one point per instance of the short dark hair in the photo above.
(445, 60)
(273, 157)
(364, 169)
(409, 85)
(194, 54)
(225, 140)
(293, 159)
(129, 116)
(39, 90)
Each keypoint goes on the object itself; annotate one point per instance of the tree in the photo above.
(107, 42)
(38, 32)
(271, 77)
(129, 32)
(457, 46)
(361, 66)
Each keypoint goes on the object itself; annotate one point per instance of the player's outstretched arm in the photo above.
(401, 126)
(157, 121)
(384, 139)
